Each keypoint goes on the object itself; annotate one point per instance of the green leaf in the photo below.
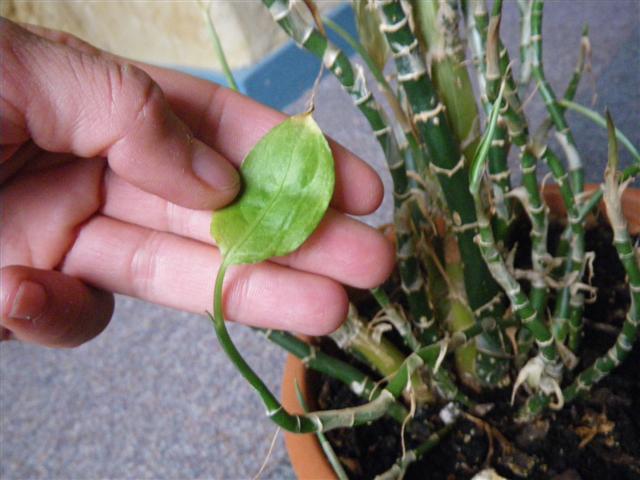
(288, 180)
(479, 159)
(368, 24)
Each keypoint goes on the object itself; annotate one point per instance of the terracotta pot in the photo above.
(306, 455)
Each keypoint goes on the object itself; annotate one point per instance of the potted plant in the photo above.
(481, 331)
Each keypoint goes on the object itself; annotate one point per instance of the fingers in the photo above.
(179, 273)
(232, 123)
(49, 308)
(341, 248)
(43, 210)
(71, 101)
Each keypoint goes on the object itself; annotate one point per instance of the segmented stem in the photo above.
(571, 317)
(613, 188)
(378, 352)
(498, 168)
(399, 468)
(437, 25)
(525, 43)
(321, 421)
(519, 301)
(315, 359)
(477, 23)
(447, 162)
(434, 130)
(354, 82)
(563, 133)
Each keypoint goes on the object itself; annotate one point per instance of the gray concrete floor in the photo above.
(154, 397)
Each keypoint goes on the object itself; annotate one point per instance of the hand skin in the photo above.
(108, 175)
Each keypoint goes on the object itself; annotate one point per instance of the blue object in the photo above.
(284, 75)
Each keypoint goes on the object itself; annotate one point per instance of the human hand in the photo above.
(108, 174)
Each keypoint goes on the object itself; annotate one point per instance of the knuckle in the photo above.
(237, 299)
(134, 97)
(143, 264)
(213, 115)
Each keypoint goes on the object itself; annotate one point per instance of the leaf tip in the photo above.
(613, 142)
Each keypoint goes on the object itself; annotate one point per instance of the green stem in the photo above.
(217, 45)
(317, 360)
(500, 145)
(334, 461)
(585, 52)
(525, 43)
(627, 255)
(314, 421)
(399, 468)
(448, 163)
(600, 121)
(563, 133)
(477, 23)
(355, 84)
(446, 159)
(379, 353)
(437, 27)
(575, 267)
(421, 162)
(520, 303)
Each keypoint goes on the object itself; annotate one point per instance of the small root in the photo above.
(269, 453)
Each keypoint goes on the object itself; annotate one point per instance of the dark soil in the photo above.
(593, 438)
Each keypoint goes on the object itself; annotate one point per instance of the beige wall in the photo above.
(171, 32)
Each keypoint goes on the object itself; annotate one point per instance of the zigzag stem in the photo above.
(613, 188)
(561, 309)
(420, 162)
(513, 116)
(498, 152)
(563, 133)
(322, 421)
(569, 319)
(519, 301)
(446, 159)
(314, 421)
(399, 469)
(317, 360)
(355, 84)
(477, 20)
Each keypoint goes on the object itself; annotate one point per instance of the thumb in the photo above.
(51, 309)
(88, 105)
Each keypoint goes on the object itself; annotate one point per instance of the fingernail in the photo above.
(214, 170)
(30, 301)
